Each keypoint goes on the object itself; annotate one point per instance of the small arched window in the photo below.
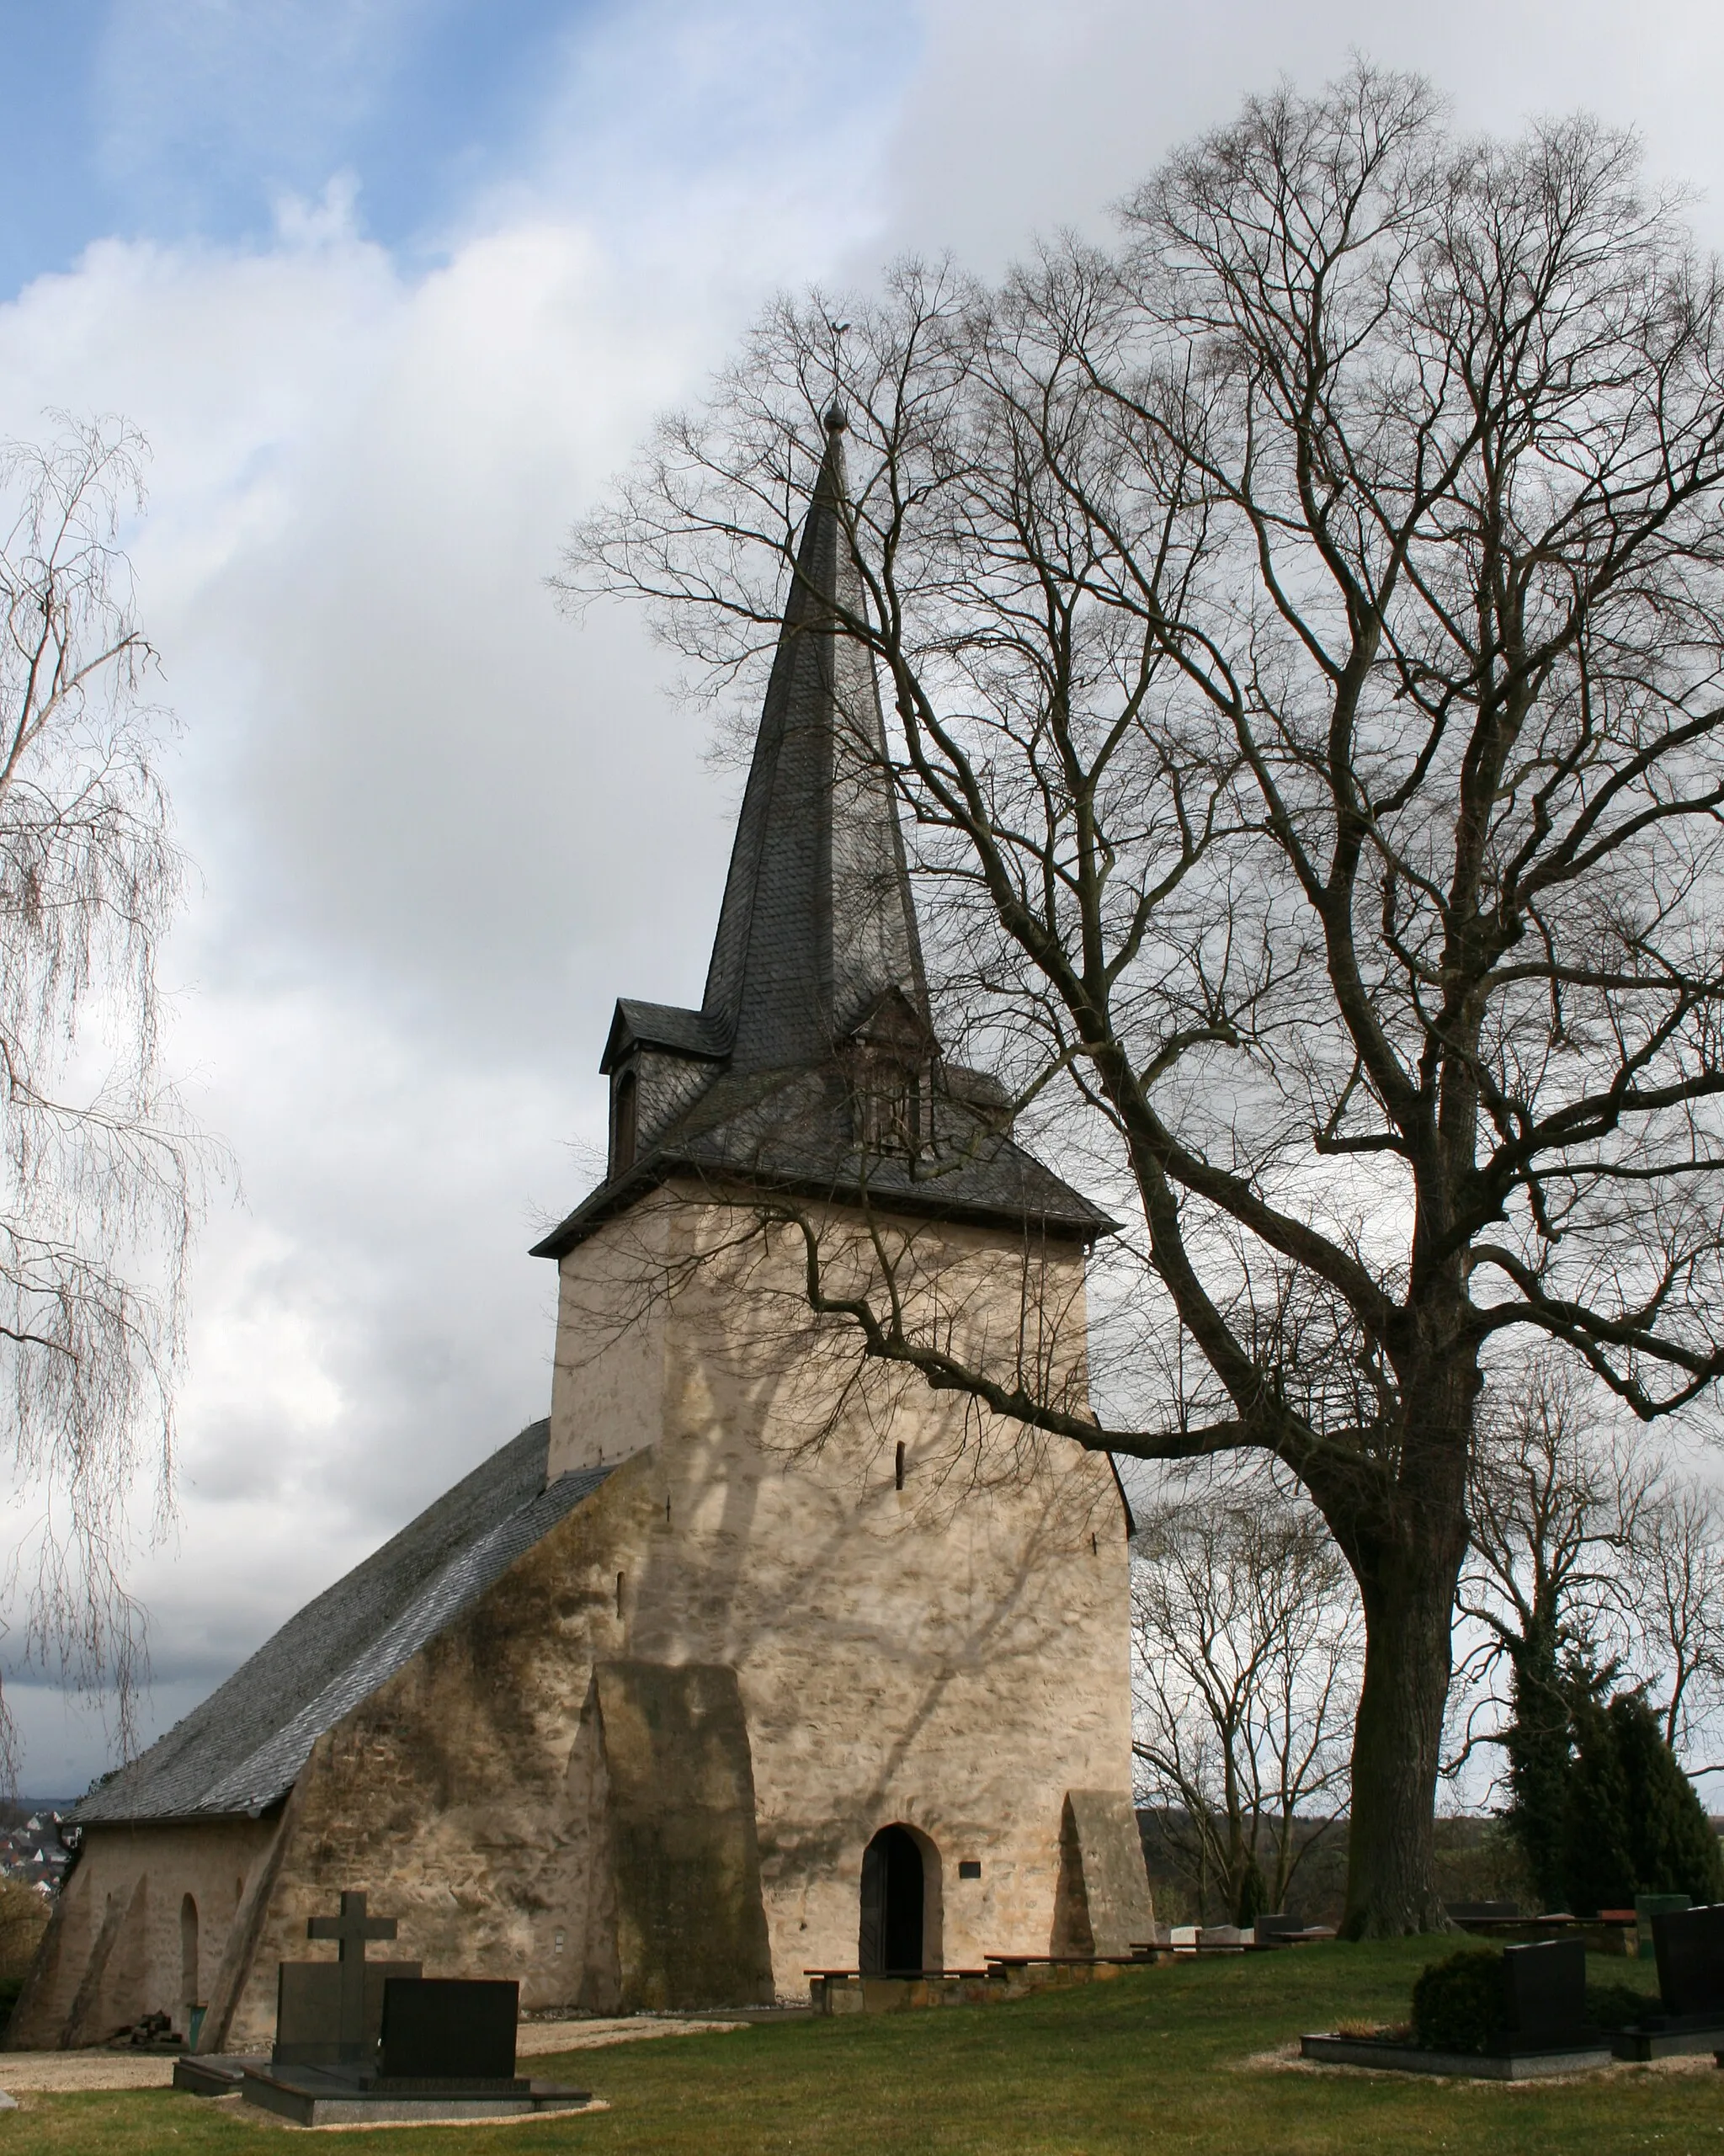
(188, 1954)
(624, 1115)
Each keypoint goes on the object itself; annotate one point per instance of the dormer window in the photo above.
(890, 1059)
(890, 1110)
(624, 1120)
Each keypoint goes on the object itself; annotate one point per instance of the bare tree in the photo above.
(102, 1171)
(1556, 1502)
(1595, 1562)
(1674, 1595)
(1246, 1653)
(1305, 628)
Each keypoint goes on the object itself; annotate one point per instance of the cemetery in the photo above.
(360, 2042)
(1199, 2052)
(1190, 2040)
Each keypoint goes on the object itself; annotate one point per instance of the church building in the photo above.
(759, 1655)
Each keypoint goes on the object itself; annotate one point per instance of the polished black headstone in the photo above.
(1546, 1987)
(308, 2013)
(1690, 1947)
(449, 2028)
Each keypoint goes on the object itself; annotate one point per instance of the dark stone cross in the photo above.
(350, 1930)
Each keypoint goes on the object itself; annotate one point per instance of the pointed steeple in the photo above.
(818, 922)
(812, 1063)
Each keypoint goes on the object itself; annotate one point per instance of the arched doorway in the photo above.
(894, 1904)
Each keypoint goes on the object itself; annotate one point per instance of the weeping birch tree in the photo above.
(101, 1169)
(1304, 623)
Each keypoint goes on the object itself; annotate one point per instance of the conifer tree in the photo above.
(1634, 1823)
(1539, 1768)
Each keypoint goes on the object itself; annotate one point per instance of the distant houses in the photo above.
(30, 1849)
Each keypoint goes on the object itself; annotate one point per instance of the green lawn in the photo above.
(1161, 2059)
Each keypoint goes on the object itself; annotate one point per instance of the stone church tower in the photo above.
(758, 1657)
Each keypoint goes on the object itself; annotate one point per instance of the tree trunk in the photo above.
(1405, 1540)
(1409, 1605)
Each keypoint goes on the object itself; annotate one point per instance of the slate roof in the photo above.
(663, 1025)
(817, 929)
(242, 1749)
(794, 1132)
(818, 921)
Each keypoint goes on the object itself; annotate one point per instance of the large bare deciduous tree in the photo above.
(100, 1173)
(1304, 623)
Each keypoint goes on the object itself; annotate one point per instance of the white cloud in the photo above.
(1024, 117)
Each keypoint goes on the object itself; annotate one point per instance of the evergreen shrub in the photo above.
(1462, 2004)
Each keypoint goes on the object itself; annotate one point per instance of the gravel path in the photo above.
(54, 2073)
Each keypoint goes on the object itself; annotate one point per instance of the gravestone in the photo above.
(308, 1999)
(360, 2042)
(330, 2013)
(450, 2028)
(1646, 1908)
(1690, 1947)
(1546, 1988)
(1544, 1991)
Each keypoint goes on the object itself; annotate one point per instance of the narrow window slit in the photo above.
(619, 1594)
(898, 1471)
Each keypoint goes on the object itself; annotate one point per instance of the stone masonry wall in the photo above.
(113, 1951)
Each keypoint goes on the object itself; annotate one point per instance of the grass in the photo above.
(1161, 2059)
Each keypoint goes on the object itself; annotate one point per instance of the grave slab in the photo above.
(215, 2073)
(314, 2095)
(1385, 2056)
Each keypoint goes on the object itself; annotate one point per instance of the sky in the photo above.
(392, 287)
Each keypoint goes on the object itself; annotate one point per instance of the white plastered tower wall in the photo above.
(951, 1655)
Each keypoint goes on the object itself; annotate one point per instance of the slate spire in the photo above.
(817, 922)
